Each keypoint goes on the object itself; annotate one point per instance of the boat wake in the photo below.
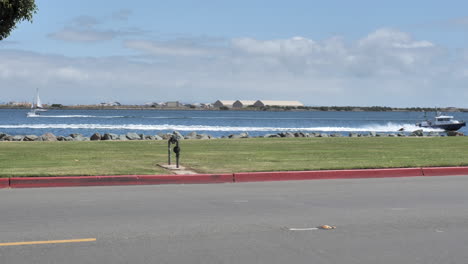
(389, 128)
(77, 116)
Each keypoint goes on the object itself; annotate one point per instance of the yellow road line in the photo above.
(47, 242)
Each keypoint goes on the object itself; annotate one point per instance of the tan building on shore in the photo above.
(243, 103)
(263, 103)
(259, 103)
(225, 103)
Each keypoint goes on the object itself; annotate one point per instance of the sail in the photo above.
(38, 100)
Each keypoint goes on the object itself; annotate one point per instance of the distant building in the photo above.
(20, 104)
(242, 103)
(221, 103)
(262, 103)
(206, 106)
(110, 104)
(173, 104)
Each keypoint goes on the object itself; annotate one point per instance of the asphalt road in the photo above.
(392, 220)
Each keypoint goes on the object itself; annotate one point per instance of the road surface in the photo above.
(392, 220)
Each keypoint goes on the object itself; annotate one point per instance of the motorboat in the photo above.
(32, 113)
(445, 122)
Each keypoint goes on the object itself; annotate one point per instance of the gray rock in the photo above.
(49, 137)
(122, 137)
(166, 136)
(323, 135)
(392, 135)
(203, 136)
(288, 135)
(2, 135)
(191, 135)
(133, 136)
(178, 135)
(417, 133)
(17, 138)
(336, 135)
(95, 136)
(454, 134)
(30, 138)
(271, 136)
(235, 136)
(107, 136)
(110, 136)
(244, 135)
(149, 137)
(156, 137)
(79, 137)
(433, 134)
(353, 135)
(7, 138)
(69, 138)
(372, 134)
(299, 134)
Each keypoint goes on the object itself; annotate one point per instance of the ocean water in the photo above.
(216, 123)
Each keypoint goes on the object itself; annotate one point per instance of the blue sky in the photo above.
(392, 53)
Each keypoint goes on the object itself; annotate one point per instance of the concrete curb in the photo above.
(33, 182)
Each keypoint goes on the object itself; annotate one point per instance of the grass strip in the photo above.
(229, 155)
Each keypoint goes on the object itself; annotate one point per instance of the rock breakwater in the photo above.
(195, 135)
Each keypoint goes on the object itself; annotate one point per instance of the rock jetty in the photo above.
(195, 135)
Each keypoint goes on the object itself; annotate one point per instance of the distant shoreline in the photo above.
(267, 108)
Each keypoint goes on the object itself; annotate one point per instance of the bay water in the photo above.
(215, 123)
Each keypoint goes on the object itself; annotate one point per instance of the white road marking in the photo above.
(303, 229)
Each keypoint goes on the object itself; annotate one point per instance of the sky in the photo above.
(395, 53)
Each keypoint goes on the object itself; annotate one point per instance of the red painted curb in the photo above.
(4, 183)
(326, 174)
(33, 182)
(185, 179)
(445, 171)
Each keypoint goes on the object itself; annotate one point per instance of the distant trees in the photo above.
(13, 12)
(56, 105)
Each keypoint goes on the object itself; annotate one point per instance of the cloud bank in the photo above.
(387, 67)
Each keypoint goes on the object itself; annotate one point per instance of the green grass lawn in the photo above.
(229, 155)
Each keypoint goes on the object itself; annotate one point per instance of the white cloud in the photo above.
(74, 35)
(154, 48)
(392, 38)
(296, 46)
(70, 73)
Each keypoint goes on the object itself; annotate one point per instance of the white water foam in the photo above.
(76, 116)
(390, 127)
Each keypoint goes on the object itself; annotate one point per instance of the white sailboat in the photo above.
(36, 106)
